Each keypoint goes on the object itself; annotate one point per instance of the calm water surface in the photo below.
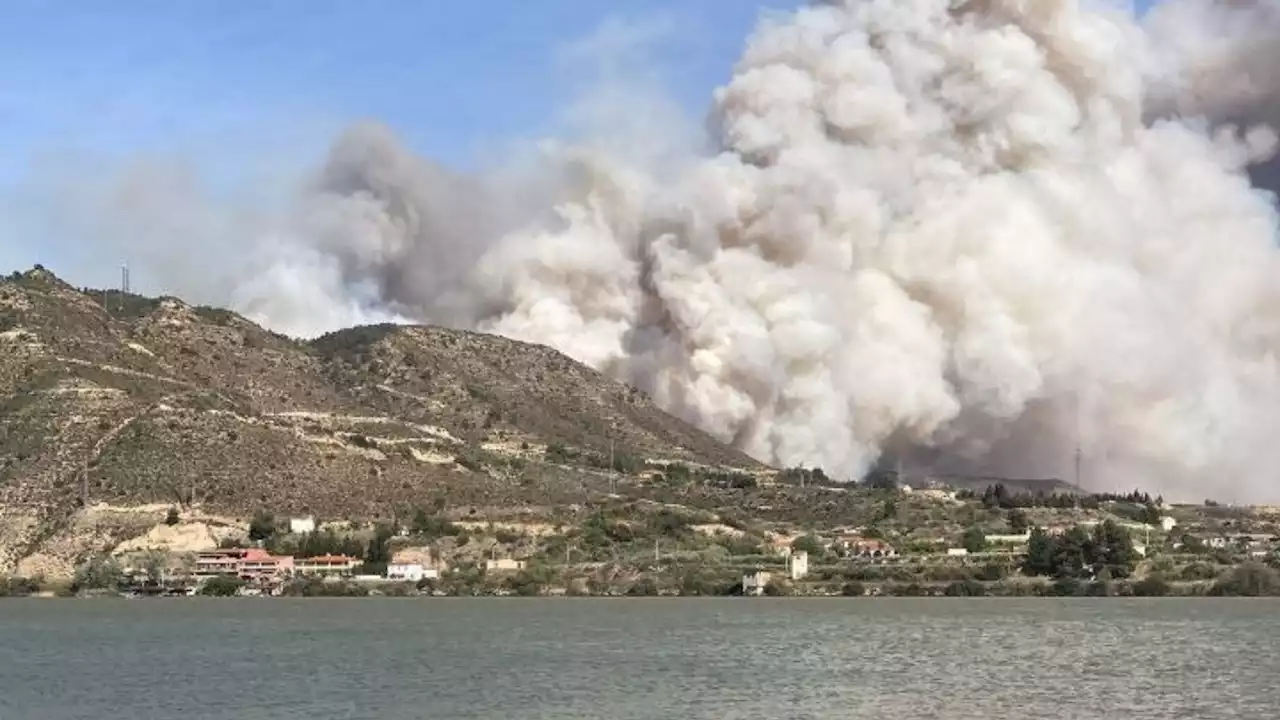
(489, 658)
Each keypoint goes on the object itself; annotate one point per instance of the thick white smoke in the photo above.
(945, 225)
(976, 233)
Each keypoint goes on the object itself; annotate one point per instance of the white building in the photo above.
(755, 583)
(1168, 523)
(503, 564)
(411, 572)
(1009, 539)
(957, 552)
(302, 525)
(798, 564)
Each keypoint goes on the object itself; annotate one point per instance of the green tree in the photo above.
(1018, 522)
(974, 540)
(172, 518)
(1249, 580)
(221, 586)
(1152, 586)
(98, 573)
(853, 588)
(1072, 553)
(809, 544)
(378, 554)
(1150, 515)
(1112, 550)
(527, 583)
(262, 527)
(1040, 554)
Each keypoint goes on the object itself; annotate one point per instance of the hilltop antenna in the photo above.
(124, 280)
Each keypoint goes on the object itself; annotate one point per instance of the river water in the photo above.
(396, 659)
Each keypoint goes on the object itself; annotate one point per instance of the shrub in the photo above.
(432, 526)
(262, 526)
(99, 573)
(993, 572)
(507, 537)
(1248, 580)
(18, 587)
(966, 588)
(1067, 587)
(643, 587)
(853, 588)
(1152, 586)
(975, 541)
(172, 518)
(221, 586)
(809, 544)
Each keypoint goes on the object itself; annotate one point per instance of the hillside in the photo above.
(153, 402)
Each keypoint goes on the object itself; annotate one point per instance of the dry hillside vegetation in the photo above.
(121, 399)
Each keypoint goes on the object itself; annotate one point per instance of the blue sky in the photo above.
(449, 75)
(230, 84)
(226, 84)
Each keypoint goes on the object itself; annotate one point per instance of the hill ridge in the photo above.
(124, 399)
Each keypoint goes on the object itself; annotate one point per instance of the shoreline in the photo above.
(1021, 589)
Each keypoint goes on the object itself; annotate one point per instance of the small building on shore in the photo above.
(249, 564)
(411, 572)
(753, 584)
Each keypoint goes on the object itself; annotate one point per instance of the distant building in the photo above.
(753, 584)
(251, 564)
(957, 552)
(336, 565)
(798, 564)
(222, 562)
(868, 548)
(1168, 523)
(502, 564)
(1009, 539)
(302, 525)
(411, 572)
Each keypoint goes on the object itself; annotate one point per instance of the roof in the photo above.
(328, 559)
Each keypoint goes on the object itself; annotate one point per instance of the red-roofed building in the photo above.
(253, 564)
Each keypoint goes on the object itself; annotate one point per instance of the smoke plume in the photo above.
(975, 234)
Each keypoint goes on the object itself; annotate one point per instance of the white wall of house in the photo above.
(302, 525)
(755, 583)
(799, 564)
(411, 572)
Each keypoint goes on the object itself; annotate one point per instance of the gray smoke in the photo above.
(977, 233)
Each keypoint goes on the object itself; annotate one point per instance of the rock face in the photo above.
(127, 400)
